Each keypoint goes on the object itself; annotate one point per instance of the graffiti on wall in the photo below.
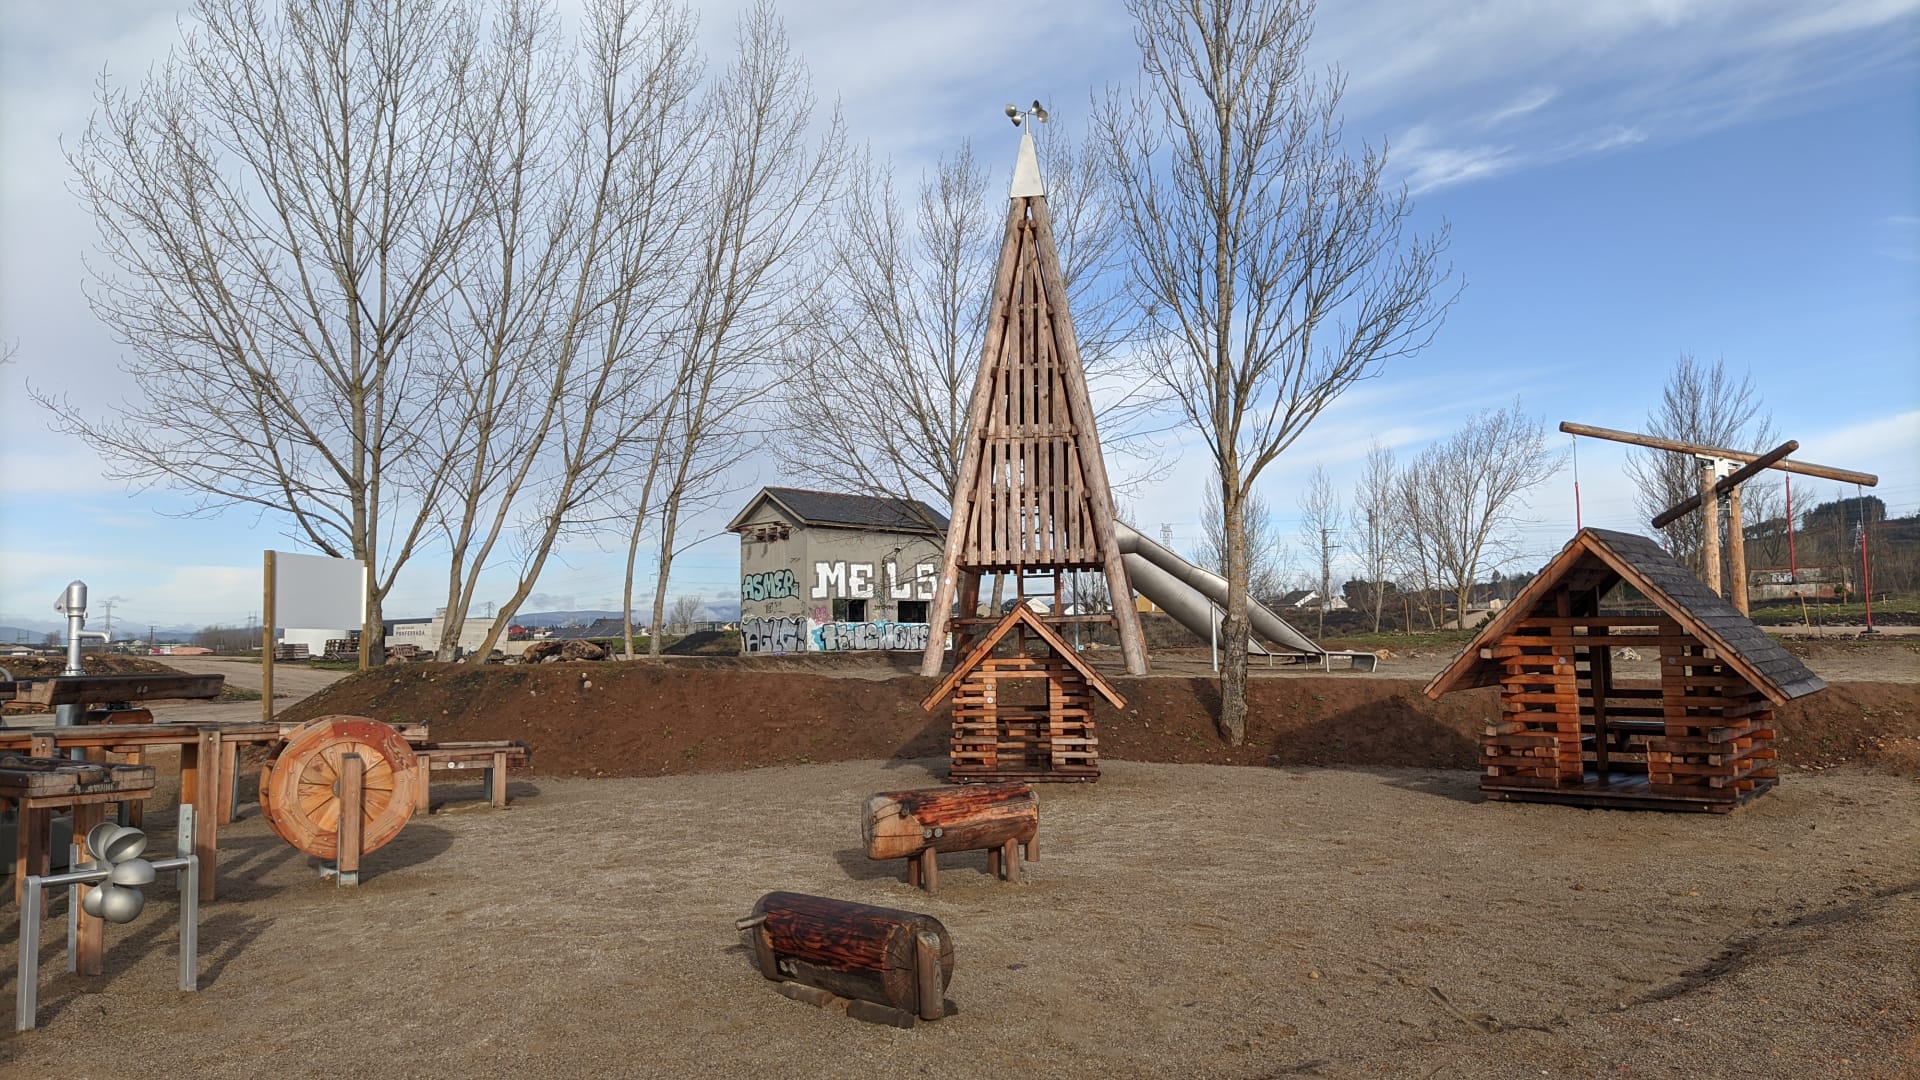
(844, 636)
(855, 580)
(770, 585)
(783, 635)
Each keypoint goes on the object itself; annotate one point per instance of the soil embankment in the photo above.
(650, 719)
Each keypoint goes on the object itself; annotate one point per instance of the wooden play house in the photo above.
(1022, 702)
(1031, 500)
(1568, 731)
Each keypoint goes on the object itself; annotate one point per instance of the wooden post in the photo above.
(206, 795)
(229, 781)
(938, 616)
(1600, 678)
(497, 780)
(929, 870)
(1126, 619)
(353, 797)
(1709, 530)
(1010, 861)
(1736, 552)
(266, 655)
(90, 935)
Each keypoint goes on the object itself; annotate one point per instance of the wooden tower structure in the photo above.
(1022, 714)
(1032, 498)
(1569, 731)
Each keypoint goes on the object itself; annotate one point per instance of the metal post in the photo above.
(27, 974)
(73, 604)
(1213, 624)
(187, 882)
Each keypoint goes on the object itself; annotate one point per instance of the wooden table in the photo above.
(200, 763)
(39, 786)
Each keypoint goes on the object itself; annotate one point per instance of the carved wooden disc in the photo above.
(299, 786)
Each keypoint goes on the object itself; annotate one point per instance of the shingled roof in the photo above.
(1598, 559)
(832, 509)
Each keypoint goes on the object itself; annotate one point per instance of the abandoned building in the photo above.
(828, 572)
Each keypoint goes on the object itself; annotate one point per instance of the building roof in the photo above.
(837, 510)
(1021, 614)
(1596, 560)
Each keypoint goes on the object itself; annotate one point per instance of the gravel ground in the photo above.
(1185, 920)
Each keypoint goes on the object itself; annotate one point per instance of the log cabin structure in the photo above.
(1568, 731)
(1021, 716)
(1031, 500)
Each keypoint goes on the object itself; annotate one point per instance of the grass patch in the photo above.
(237, 693)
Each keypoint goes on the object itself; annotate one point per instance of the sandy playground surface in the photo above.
(1185, 920)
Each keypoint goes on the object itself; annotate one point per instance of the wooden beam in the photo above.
(1736, 552)
(1740, 476)
(963, 493)
(1825, 472)
(1710, 530)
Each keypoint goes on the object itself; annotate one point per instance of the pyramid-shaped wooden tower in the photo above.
(1032, 497)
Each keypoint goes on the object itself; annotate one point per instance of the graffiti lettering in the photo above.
(771, 585)
(843, 636)
(788, 635)
(856, 580)
(829, 579)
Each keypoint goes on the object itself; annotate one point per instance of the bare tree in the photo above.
(565, 316)
(1319, 527)
(1372, 523)
(768, 184)
(1274, 269)
(1460, 497)
(1701, 403)
(279, 207)
(1269, 558)
(681, 616)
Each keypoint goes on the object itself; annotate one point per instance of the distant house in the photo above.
(1310, 600)
(824, 571)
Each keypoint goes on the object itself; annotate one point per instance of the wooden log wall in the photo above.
(1717, 744)
(997, 738)
(1701, 740)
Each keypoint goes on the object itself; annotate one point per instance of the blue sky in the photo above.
(1625, 182)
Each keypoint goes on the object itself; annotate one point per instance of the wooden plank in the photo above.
(89, 689)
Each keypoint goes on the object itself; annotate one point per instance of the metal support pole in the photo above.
(186, 868)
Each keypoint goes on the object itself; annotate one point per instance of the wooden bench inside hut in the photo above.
(1699, 737)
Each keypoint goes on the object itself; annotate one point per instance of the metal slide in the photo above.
(1191, 595)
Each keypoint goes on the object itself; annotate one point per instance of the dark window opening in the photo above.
(912, 611)
(845, 610)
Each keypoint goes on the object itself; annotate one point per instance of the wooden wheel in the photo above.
(299, 786)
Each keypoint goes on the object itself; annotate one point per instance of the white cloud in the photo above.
(1563, 78)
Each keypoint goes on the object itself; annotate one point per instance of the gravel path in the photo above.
(1185, 920)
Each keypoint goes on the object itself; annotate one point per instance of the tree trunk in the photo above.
(1233, 669)
(373, 634)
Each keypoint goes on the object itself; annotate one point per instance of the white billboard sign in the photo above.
(313, 590)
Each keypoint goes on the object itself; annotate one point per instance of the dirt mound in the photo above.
(705, 643)
(647, 719)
